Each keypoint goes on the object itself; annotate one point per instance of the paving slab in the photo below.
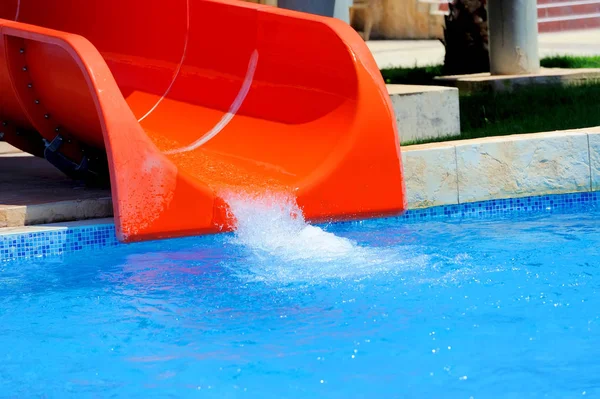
(34, 192)
(488, 82)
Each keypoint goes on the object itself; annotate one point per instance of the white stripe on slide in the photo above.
(176, 74)
(18, 10)
(235, 106)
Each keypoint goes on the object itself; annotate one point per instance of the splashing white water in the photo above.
(285, 248)
(275, 224)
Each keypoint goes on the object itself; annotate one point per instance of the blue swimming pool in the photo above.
(502, 307)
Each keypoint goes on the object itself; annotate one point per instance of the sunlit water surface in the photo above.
(505, 308)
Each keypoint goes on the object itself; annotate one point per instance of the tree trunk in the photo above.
(466, 38)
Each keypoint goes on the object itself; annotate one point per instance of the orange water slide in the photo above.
(178, 102)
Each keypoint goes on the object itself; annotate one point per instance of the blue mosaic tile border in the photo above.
(56, 242)
(61, 241)
(505, 207)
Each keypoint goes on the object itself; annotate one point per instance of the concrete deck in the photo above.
(32, 192)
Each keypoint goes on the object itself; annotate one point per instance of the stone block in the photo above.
(425, 112)
(517, 166)
(594, 141)
(430, 177)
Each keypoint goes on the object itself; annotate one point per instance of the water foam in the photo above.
(282, 247)
(275, 224)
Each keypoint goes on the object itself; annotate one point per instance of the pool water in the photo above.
(502, 308)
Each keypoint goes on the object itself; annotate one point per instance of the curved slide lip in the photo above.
(121, 130)
(153, 197)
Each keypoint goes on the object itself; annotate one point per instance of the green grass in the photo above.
(528, 110)
(571, 62)
(412, 76)
(531, 110)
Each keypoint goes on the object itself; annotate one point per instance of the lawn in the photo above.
(535, 109)
(528, 110)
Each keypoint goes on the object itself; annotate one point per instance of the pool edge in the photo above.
(57, 239)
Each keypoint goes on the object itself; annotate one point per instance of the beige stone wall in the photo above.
(403, 19)
(458, 172)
